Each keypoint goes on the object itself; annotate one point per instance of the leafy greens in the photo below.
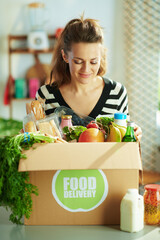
(104, 122)
(9, 127)
(73, 132)
(15, 188)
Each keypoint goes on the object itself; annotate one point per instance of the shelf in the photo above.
(24, 50)
(29, 51)
(24, 37)
(21, 99)
(17, 44)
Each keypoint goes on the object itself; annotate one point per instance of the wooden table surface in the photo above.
(150, 177)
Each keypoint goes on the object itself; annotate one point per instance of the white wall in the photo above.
(14, 20)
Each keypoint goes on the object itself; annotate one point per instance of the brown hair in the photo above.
(77, 30)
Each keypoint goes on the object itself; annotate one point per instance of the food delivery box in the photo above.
(80, 183)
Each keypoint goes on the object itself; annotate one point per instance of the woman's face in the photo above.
(84, 61)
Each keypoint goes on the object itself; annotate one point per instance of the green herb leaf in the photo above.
(104, 122)
(15, 188)
(9, 127)
(73, 132)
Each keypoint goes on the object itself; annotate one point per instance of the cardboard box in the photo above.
(88, 190)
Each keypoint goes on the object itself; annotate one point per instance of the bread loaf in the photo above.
(37, 110)
(28, 108)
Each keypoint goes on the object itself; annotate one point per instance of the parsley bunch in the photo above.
(15, 189)
(9, 127)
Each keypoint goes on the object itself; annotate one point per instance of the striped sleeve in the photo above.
(45, 92)
(117, 100)
(123, 102)
(40, 94)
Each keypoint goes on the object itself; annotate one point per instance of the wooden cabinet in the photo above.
(17, 44)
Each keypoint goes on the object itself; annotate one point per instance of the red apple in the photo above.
(92, 124)
(91, 135)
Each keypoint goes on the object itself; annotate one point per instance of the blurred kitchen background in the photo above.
(132, 39)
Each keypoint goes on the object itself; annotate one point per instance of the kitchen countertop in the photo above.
(9, 231)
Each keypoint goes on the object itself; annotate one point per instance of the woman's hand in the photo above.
(137, 132)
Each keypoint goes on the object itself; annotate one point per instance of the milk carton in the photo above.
(132, 212)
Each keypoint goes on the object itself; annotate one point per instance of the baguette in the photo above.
(37, 110)
(28, 108)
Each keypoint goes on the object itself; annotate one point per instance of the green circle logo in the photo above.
(79, 190)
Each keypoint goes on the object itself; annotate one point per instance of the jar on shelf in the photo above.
(152, 204)
(34, 84)
(20, 88)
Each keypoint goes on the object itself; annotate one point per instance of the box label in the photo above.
(79, 190)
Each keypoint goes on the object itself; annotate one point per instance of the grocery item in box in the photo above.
(66, 120)
(120, 119)
(77, 119)
(129, 135)
(48, 126)
(29, 123)
(37, 109)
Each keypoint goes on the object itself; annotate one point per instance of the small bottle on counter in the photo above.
(152, 204)
(120, 119)
(132, 211)
(129, 136)
(66, 120)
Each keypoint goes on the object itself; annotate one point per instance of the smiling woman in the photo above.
(78, 66)
(84, 61)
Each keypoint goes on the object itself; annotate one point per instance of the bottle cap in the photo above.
(132, 191)
(153, 187)
(120, 116)
(66, 116)
(130, 124)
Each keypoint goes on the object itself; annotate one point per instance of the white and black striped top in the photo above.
(113, 99)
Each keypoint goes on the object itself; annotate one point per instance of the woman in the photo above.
(78, 66)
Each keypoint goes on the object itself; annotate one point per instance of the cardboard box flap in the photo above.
(54, 156)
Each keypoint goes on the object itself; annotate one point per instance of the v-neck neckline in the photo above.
(100, 103)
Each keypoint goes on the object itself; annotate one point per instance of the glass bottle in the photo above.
(152, 204)
(129, 136)
(66, 120)
(132, 211)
